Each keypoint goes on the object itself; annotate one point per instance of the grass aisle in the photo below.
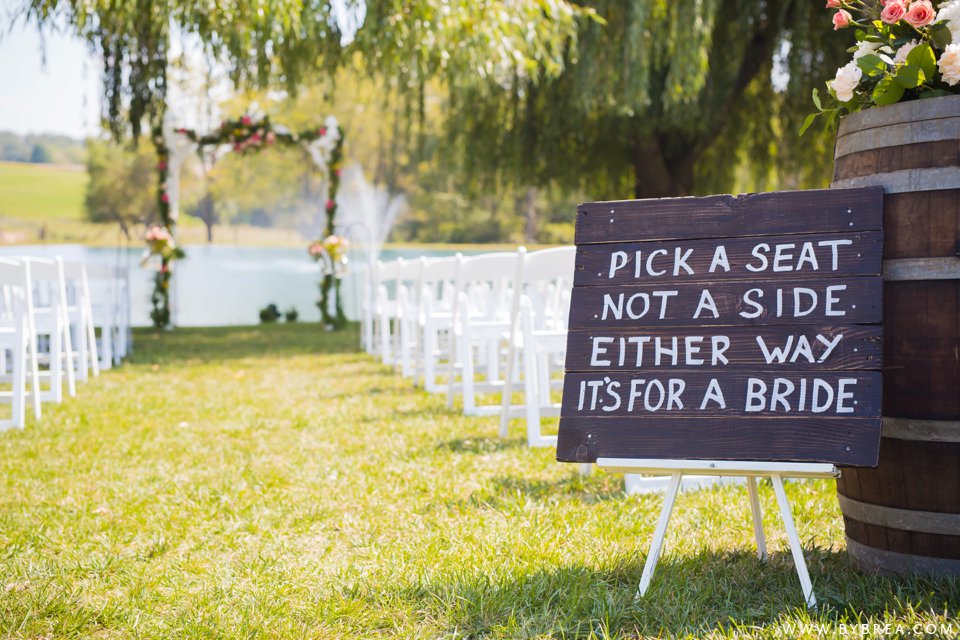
(270, 482)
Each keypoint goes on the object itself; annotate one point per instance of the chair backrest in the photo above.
(49, 282)
(488, 281)
(437, 282)
(547, 282)
(15, 281)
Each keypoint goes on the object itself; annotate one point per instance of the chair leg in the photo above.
(531, 394)
(429, 354)
(469, 375)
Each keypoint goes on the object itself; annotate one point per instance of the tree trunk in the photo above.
(530, 226)
(657, 176)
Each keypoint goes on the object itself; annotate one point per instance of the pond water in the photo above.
(224, 285)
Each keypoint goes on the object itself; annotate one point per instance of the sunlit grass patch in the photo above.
(273, 482)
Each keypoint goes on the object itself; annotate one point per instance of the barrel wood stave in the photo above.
(913, 150)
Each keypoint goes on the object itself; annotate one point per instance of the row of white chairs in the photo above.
(494, 322)
(60, 323)
(471, 326)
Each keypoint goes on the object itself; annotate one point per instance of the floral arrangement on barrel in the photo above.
(331, 253)
(906, 50)
(160, 244)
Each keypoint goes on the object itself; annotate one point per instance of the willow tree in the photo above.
(662, 98)
(284, 42)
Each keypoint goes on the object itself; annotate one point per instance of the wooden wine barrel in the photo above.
(904, 516)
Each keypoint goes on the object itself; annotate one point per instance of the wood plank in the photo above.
(794, 256)
(836, 440)
(646, 398)
(859, 347)
(726, 216)
(675, 305)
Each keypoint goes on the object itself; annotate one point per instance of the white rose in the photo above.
(903, 51)
(848, 77)
(950, 13)
(950, 64)
(864, 48)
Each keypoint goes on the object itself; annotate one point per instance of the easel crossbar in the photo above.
(719, 467)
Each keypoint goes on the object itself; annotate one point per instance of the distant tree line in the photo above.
(41, 148)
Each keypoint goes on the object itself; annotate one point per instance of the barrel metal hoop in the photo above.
(906, 180)
(896, 135)
(929, 109)
(925, 430)
(922, 269)
(947, 524)
(884, 561)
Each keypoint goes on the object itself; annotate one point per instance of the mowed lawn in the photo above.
(272, 482)
(41, 192)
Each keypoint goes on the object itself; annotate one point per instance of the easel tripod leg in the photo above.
(660, 532)
(757, 517)
(795, 547)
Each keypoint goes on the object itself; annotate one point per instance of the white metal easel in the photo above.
(776, 471)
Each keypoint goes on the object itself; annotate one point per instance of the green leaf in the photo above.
(887, 91)
(816, 101)
(922, 56)
(807, 122)
(871, 64)
(940, 34)
(910, 76)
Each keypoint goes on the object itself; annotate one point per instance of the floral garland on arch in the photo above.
(245, 134)
(906, 50)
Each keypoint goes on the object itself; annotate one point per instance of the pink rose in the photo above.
(336, 172)
(245, 121)
(920, 14)
(833, 4)
(893, 12)
(164, 197)
(330, 204)
(322, 131)
(841, 19)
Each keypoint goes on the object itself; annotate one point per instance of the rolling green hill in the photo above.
(41, 192)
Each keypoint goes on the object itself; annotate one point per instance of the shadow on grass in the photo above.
(689, 596)
(208, 344)
(480, 445)
(507, 492)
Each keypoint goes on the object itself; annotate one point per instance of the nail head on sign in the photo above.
(849, 210)
(611, 219)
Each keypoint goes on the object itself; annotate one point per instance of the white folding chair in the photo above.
(18, 336)
(435, 305)
(80, 313)
(52, 322)
(386, 288)
(406, 314)
(539, 338)
(485, 287)
(107, 301)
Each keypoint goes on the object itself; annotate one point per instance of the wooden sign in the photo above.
(727, 328)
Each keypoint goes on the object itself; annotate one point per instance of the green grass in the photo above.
(270, 482)
(38, 192)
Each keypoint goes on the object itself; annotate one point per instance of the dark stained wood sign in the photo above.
(727, 328)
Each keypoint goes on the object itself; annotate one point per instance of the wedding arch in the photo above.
(247, 134)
